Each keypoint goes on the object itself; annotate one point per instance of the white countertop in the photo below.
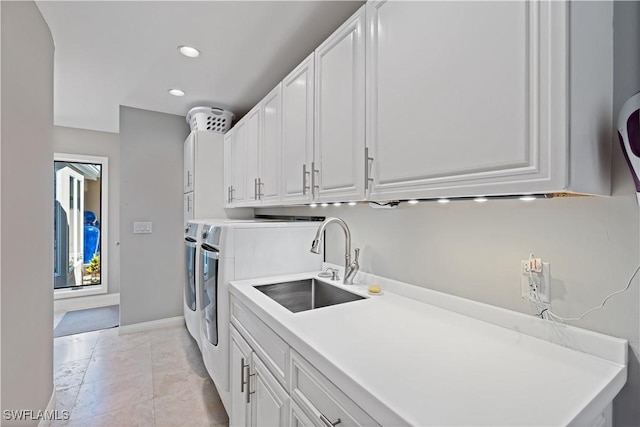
(407, 362)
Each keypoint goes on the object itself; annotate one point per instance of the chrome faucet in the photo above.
(350, 267)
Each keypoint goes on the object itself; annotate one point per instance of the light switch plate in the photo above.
(142, 228)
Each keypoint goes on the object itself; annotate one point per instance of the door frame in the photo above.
(102, 288)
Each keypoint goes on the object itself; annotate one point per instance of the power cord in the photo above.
(550, 315)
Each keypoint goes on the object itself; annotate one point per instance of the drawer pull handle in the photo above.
(328, 422)
(249, 392)
(243, 381)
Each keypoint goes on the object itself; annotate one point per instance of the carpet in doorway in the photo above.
(91, 319)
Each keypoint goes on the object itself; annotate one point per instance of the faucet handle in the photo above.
(355, 258)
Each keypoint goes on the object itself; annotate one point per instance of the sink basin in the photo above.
(308, 294)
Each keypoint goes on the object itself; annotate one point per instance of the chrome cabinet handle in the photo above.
(188, 179)
(255, 189)
(242, 381)
(305, 174)
(232, 191)
(328, 422)
(313, 178)
(367, 159)
(249, 392)
(260, 188)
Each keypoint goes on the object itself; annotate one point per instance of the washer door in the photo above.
(190, 275)
(209, 257)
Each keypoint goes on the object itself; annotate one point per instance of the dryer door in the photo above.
(209, 258)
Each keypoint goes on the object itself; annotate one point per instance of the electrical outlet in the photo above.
(538, 282)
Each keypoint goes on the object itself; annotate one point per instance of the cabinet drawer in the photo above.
(273, 351)
(322, 401)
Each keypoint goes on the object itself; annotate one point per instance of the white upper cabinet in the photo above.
(475, 98)
(253, 127)
(297, 133)
(189, 162)
(238, 165)
(203, 151)
(228, 166)
(269, 186)
(340, 112)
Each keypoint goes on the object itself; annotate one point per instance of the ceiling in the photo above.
(112, 53)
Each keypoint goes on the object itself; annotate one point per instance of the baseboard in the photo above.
(49, 412)
(80, 303)
(154, 324)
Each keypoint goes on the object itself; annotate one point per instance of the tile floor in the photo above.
(153, 378)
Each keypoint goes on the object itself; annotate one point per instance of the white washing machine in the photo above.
(190, 292)
(243, 250)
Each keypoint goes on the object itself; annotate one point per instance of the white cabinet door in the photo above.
(189, 162)
(239, 415)
(239, 196)
(459, 96)
(254, 140)
(189, 201)
(340, 112)
(297, 133)
(228, 168)
(297, 417)
(269, 401)
(271, 148)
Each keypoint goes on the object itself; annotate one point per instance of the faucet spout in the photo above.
(317, 241)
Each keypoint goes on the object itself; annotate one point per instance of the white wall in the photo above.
(151, 189)
(105, 144)
(27, 209)
(474, 250)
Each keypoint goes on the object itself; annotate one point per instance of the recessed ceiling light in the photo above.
(324, 205)
(189, 51)
(443, 200)
(480, 199)
(176, 92)
(337, 204)
(352, 203)
(313, 205)
(412, 202)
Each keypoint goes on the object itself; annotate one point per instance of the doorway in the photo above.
(80, 225)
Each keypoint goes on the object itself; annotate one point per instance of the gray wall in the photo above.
(105, 144)
(27, 209)
(474, 250)
(151, 189)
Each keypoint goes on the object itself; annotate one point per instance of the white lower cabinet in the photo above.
(324, 404)
(297, 416)
(257, 399)
(272, 385)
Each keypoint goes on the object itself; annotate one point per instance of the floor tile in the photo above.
(69, 351)
(109, 341)
(121, 364)
(70, 374)
(154, 378)
(111, 394)
(193, 402)
(135, 415)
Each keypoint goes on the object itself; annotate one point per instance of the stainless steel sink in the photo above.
(308, 294)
